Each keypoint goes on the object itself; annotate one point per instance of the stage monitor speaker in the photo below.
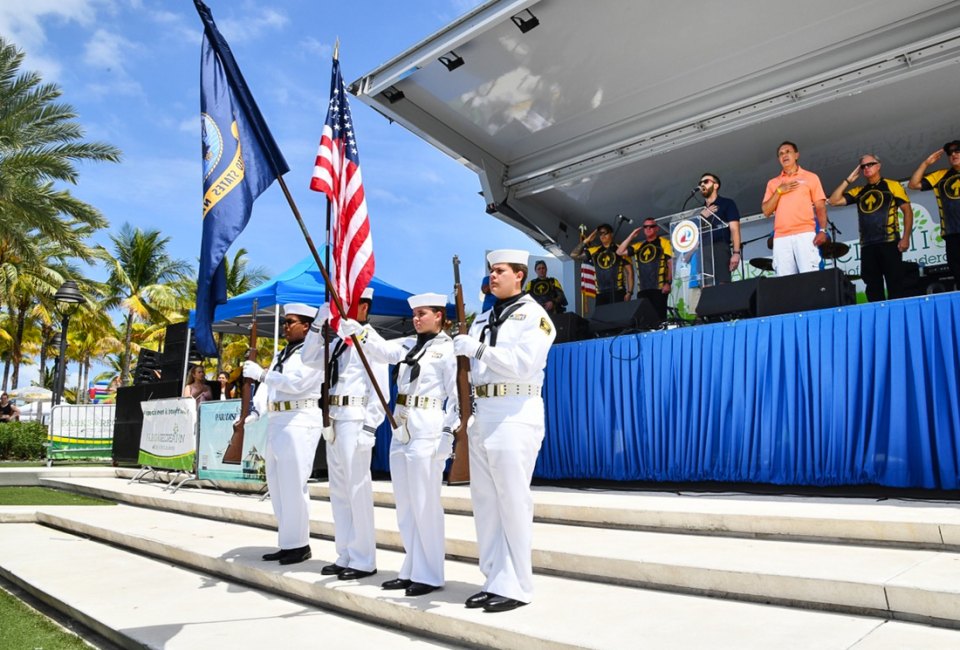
(728, 301)
(804, 292)
(128, 420)
(570, 327)
(608, 320)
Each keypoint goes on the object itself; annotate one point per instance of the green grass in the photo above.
(22, 627)
(39, 496)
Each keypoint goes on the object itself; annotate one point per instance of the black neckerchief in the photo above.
(285, 354)
(333, 369)
(413, 358)
(498, 315)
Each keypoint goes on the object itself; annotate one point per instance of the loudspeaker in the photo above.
(128, 422)
(617, 317)
(175, 351)
(148, 365)
(570, 327)
(728, 301)
(803, 292)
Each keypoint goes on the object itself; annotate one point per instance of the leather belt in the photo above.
(418, 401)
(347, 400)
(295, 404)
(506, 390)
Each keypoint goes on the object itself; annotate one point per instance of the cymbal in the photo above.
(833, 249)
(762, 263)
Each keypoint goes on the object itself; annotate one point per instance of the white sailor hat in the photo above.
(427, 300)
(299, 309)
(367, 294)
(507, 256)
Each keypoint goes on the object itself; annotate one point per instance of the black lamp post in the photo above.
(68, 295)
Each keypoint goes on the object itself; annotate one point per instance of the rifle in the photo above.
(234, 452)
(460, 468)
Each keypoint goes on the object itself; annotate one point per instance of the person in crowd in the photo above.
(881, 244)
(718, 258)
(488, 298)
(613, 273)
(426, 414)
(196, 386)
(356, 413)
(226, 389)
(8, 410)
(797, 200)
(546, 291)
(945, 184)
(290, 391)
(652, 258)
(507, 347)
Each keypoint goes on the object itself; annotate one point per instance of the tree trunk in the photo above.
(16, 347)
(45, 332)
(127, 338)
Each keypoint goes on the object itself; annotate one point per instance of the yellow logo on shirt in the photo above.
(545, 325)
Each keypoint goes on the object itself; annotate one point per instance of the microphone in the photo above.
(624, 219)
(694, 190)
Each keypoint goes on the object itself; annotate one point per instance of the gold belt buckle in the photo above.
(499, 390)
(481, 390)
(402, 399)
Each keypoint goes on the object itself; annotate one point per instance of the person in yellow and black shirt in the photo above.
(546, 291)
(652, 258)
(614, 275)
(945, 184)
(881, 244)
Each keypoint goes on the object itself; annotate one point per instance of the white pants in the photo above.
(795, 254)
(291, 445)
(351, 496)
(502, 458)
(417, 477)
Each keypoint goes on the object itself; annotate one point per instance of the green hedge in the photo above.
(22, 440)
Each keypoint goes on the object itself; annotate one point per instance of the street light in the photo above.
(68, 295)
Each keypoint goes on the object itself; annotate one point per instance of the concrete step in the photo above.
(139, 602)
(909, 584)
(566, 613)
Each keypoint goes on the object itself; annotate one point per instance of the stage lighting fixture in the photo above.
(393, 94)
(451, 60)
(525, 21)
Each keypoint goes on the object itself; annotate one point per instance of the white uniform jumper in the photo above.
(290, 393)
(356, 413)
(507, 376)
(426, 405)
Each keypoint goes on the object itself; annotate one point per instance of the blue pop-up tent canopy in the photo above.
(304, 283)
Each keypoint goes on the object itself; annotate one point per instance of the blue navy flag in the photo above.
(240, 161)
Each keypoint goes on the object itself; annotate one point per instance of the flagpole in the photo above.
(326, 298)
(336, 298)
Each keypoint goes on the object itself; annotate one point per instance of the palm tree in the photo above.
(140, 273)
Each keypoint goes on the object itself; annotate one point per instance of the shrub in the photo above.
(22, 440)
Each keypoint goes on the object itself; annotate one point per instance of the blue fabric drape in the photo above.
(866, 394)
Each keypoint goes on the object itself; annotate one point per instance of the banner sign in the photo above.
(81, 431)
(168, 439)
(216, 429)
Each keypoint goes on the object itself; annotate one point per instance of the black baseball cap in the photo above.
(953, 145)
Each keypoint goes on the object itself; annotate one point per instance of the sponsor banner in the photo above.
(81, 431)
(216, 429)
(168, 439)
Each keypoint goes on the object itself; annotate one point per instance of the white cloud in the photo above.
(249, 28)
(108, 50)
(20, 23)
(314, 47)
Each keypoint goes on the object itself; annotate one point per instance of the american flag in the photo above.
(588, 279)
(337, 174)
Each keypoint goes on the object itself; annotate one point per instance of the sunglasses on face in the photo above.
(290, 321)
(867, 165)
(649, 225)
(604, 232)
(705, 181)
(953, 151)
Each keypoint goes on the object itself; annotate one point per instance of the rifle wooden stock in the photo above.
(460, 468)
(234, 452)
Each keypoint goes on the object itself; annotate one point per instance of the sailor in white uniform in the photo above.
(508, 348)
(356, 413)
(426, 414)
(290, 392)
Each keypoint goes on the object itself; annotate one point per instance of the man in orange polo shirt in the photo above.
(799, 202)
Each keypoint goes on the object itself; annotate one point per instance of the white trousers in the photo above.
(417, 477)
(291, 445)
(795, 254)
(351, 496)
(502, 458)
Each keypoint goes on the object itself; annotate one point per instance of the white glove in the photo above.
(328, 434)
(323, 314)
(349, 328)
(401, 435)
(465, 345)
(445, 448)
(253, 370)
(250, 419)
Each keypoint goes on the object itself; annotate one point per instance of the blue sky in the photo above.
(131, 70)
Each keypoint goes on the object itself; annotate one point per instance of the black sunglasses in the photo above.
(605, 232)
(650, 225)
(291, 321)
(705, 181)
(953, 151)
(868, 164)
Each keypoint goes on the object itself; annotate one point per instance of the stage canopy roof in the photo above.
(576, 112)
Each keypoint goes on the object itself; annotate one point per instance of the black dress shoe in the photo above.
(354, 574)
(276, 555)
(478, 599)
(296, 555)
(332, 570)
(396, 583)
(501, 604)
(420, 589)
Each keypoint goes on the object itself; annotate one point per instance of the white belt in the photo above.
(293, 405)
(418, 401)
(347, 400)
(506, 390)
